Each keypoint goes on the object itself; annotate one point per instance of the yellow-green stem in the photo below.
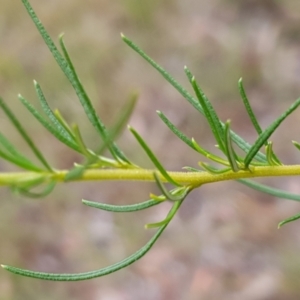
(187, 178)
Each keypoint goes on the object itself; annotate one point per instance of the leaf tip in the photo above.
(296, 144)
(83, 201)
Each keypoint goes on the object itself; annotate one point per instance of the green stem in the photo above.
(191, 178)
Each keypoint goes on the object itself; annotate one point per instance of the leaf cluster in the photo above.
(43, 175)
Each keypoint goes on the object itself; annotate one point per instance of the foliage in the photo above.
(117, 166)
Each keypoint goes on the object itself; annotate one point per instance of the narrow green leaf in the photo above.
(121, 123)
(28, 193)
(263, 137)
(213, 170)
(75, 172)
(79, 141)
(237, 139)
(19, 162)
(248, 107)
(210, 115)
(231, 155)
(191, 142)
(15, 156)
(269, 149)
(92, 274)
(209, 155)
(169, 217)
(25, 136)
(269, 190)
(67, 67)
(272, 159)
(175, 195)
(157, 198)
(30, 181)
(47, 39)
(122, 208)
(200, 149)
(163, 72)
(52, 129)
(255, 121)
(105, 271)
(63, 123)
(288, 220)
(88, 107)
(126, 112)
(48, 111)
(296, 144)
(175, 130)
(153, 158)
(191, 169)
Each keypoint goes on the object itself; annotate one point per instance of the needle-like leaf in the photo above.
(63, 123)
(79, 141)
(209, 155)
(68, 69)
(236, 138)
(105, 271)
(269, 190)
(24, 134)
(176, 195)
(28, 193)
(48, 111)
(263, 137)
(14, 156)
(87, 105)
(126, 112)
(210, 115)
(19, 162)
(122, 208)
(296, 144)
(191, 142)
(153, 158)
(272, 157)
(50, 127)
(231, 155)
(92, 274)
(288, 220)
(169, 217)
(248, 107)
(213, 170)
(175, 130)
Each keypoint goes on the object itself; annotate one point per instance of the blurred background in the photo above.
(224, 243)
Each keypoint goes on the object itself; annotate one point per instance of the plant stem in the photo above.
(187, 178)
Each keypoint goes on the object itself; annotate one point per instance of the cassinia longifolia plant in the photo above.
(118, 167)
